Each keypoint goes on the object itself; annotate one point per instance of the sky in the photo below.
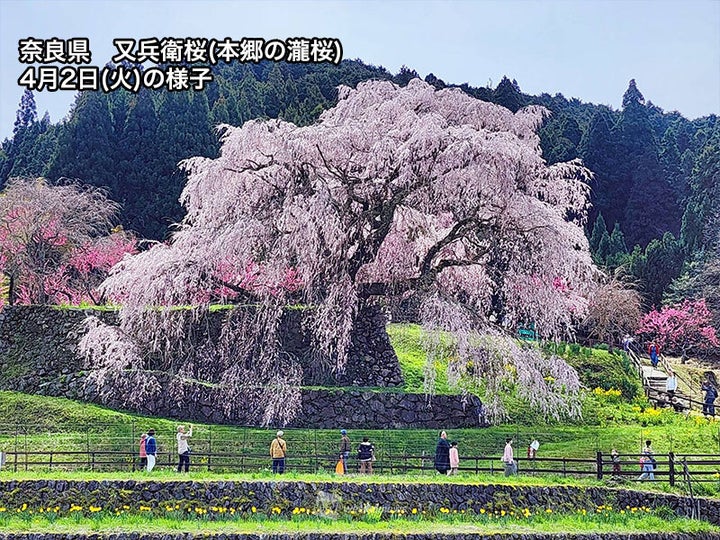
(587, 49)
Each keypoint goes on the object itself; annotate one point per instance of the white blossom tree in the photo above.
(394, 192)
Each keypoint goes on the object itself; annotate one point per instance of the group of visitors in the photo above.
(669, 398)
(149, 449)
(648, 463)
(447, 458)
(653, 349)
(365, 454)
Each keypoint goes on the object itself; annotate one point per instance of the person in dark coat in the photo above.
(711, 394)
(654, 352)
(442, 454)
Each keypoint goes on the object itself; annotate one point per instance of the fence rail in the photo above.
(670, 467)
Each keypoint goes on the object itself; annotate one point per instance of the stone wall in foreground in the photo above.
(38, 355)
(338, 497)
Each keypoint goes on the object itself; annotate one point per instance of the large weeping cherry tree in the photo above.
(393, 193)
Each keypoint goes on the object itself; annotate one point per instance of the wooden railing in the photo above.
(671, 467)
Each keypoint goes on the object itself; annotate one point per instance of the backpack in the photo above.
(364, 451)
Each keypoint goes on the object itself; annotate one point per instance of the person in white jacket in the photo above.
(508, 458)
(183, 447)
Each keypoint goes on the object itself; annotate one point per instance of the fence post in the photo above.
(599, 465)
(209, 449)
(132, 446)
(671, 463)
(16, 448)
(316, 449)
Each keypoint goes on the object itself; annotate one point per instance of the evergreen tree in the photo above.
(603, 250)
(139, 166)
(26, 114)
(617, 252)
(663, 262)
(86, 145)
(652, 206)
(700, 220)
(220, 114)
(598, 151)
(405, 75)
(508, 95)
(23, 138)
(438, 84)
(617, 241)
(599, 228)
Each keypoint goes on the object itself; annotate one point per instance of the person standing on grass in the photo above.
(278, 451)
(143, 453)
(508, 458)
(150, 449)
(647, 462)
(442, 454)
(183, 448)
(344, 449)
(366, 453)
(454, 458)
(615, 461)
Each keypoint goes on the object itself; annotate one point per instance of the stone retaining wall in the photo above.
(38, 355)
(337, 496)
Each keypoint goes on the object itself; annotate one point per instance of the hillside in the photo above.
(646, 162)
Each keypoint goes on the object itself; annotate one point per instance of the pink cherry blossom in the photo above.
(395, 192)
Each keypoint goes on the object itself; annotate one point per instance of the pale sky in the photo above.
(584, 49)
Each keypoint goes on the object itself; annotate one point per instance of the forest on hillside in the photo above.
(655, 192)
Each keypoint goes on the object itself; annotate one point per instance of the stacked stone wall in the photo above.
(39, 355)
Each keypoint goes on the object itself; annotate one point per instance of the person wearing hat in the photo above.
(278, 451)
(344, 449)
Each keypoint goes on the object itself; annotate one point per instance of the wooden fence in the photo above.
(671, 468)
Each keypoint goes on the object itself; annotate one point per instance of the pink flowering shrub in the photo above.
(682, 328)
(56, 243)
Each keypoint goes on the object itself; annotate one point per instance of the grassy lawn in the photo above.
(621, 420)
(370, 520)
(45, 423)
(407, 342)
